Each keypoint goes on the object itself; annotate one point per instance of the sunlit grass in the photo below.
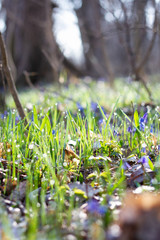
(102, 135)
(86, 91)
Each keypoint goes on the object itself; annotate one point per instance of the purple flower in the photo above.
(103, 110)
(94, 207)
(126, 165)
(32, 118)
(102, 210)
(94, 106)
(79, 106)
(151, 130)
(143, 121)
(101, 121)
(81, 109)
(145, 117)
(142, 126)
(53, 131)
(17, 119)
(115, 133)
(3, 115)
(144, 161)
(143, 149)
(129, 129)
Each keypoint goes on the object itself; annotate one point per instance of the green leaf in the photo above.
(140, 133)
(150, 164)
(35, 116)
(80, 193)
(104, 175)
(45, 122)
(81, 178)
(91, 175)
(110, 116)
(136, 119)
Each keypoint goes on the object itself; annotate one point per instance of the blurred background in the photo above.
(102, 39)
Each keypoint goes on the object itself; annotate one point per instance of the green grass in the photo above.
(86, 91)
(41, 157)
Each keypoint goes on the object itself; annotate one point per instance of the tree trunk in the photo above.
(140, 31)
(2, 88)
(2, 100)
(90, 20)
(30, 41)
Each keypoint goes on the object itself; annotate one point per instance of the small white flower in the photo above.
(31, 146)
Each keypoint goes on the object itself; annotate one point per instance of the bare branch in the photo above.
(10, 81)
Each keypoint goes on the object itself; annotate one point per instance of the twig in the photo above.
(28, 80)
(131, 53)
(10, 81)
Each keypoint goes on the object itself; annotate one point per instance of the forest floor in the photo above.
(85, 167)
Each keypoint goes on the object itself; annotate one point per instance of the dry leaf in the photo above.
(70, 154)
(154, 139)
(4, 148)
(140, 175)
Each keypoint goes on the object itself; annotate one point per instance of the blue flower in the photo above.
(3, 115)
(100, 121)
(151, 130)
(32, 118)
(115, 133)
(102, 210)
(145, 117)
(94, 106)
(126, 165)
(131, 130)
(143, 149)
(144, 161)
(17, 119)
(81, 109)
(53, 131)
(143, 121)
(103, 110)
(142, 126)
(79, 106)
(94, 207)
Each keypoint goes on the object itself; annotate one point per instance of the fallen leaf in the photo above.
(98, 158)
(4, 148)
(69, 153)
